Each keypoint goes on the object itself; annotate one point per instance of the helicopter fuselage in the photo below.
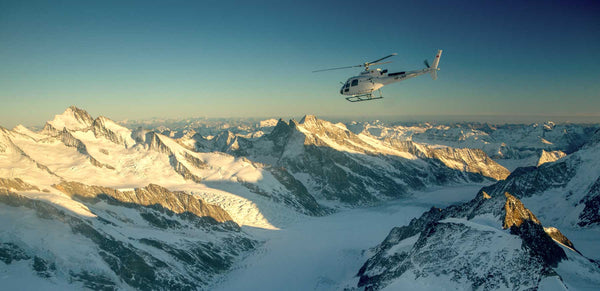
(372, 80)
(361, 87)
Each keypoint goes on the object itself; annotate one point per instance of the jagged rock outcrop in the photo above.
(550, 156)
(516, 213)
(106, 128)
(17, 184)
(471, 161)
(557, 236)
(452, 243)
(539, 243)
(591, 211)
(151, 195)
(474, 161)
(226, 142)
(156, 144)
(301, 195)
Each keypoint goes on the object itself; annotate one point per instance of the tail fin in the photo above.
(434, 65)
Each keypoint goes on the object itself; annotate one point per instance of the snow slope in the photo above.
(324, 253)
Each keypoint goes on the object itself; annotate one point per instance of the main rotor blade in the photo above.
(337, 68)
(375, 64)
(375, 61)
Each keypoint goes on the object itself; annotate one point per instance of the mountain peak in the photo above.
(20, 127)
(73, 118)
(25, 131)
(281, 127)
(268, 122)
(516, 213)
(308, 119)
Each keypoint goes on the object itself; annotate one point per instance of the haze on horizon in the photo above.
(515, 61)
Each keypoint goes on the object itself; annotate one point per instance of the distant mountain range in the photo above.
(88, 202)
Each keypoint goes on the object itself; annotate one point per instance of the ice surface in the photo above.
(325, 253)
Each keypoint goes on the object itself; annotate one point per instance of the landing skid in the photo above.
(365, 97)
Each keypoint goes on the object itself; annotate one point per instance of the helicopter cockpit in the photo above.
(346, 87)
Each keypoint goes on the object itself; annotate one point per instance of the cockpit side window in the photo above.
(354, 82)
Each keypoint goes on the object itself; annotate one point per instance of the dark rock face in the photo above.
(524, 182)
(10, 252)
(591, 213)
(301, 195)
(177, 202)
(445, 242)
(538, 242)
(187, 257)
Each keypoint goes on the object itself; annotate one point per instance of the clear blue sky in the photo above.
(130, 59)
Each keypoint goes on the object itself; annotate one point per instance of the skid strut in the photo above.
(365, 97)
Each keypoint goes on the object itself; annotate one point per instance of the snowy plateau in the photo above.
(215, 204)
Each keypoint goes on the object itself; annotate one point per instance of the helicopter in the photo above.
(361, 87)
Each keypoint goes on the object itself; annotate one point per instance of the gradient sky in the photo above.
(502, 60)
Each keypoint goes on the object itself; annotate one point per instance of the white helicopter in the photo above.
(361, 87)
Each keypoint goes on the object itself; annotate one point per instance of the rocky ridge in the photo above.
(468, 245)
(149, 238)
(337, 164)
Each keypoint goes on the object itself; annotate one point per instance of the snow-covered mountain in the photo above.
(511, 145)
(494, 241)
(138, 209)
(100, 152)
(100, 238)
(88, 203)
(336, 164)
